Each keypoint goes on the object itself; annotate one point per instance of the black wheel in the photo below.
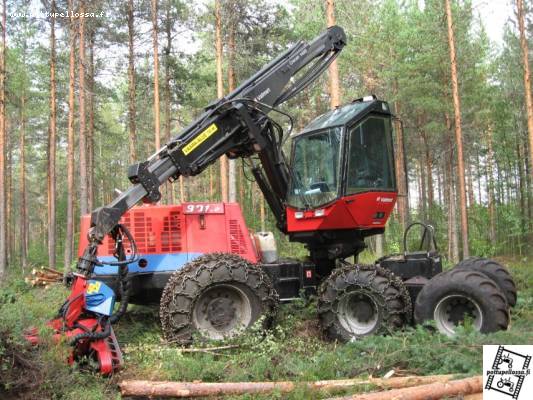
(361, 300)
(495, 271)
(451, 297)
(216, 296)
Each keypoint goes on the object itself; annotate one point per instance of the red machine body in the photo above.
(362, 211)
(182, 231)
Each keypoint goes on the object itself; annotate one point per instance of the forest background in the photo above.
(82, 98)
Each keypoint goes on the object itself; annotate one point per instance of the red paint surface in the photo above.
(184, 228)
(356, 211)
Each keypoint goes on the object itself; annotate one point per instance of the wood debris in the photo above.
(44, 277)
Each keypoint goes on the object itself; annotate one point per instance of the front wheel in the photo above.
(361, 300)
(216, 296)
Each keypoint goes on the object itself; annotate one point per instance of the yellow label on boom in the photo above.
(198, 140)
(93, 287)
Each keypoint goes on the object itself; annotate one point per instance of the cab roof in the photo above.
(344, 114)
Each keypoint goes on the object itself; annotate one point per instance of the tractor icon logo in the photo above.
(506, 359)
(506, 383)
(509, 371)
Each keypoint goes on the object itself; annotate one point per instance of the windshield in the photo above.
(370, 156)
(315, 169)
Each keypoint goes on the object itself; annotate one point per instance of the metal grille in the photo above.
(142, 232)
(237, 243)
(171, 234)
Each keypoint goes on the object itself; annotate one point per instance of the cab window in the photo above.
(315, 169)
(370, 157)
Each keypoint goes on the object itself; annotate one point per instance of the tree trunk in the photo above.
(131, 87)
(11, 231)
(470, 185)
(439, 184)
(458, 131)
(220, 94)
(423, 192)
(334, 87)
(3, 206)
(490, 188)
(90, 131)
(401, 178)
(262, 214)
(23, 223)
(82, 140)
(156, 76)
(168, 49)
(428, 173)
(520, 153)
(52, 148)
(232, 182)
(453, 240)
(69, 235)
(527, 78)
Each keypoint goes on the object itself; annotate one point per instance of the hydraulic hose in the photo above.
(92, 336)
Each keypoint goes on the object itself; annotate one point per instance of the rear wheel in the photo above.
(495, 271)
(216, 296)
(360, 300)
(452, 297)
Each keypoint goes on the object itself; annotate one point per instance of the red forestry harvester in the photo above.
(212, 278)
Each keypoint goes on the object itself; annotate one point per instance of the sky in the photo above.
(494, 14)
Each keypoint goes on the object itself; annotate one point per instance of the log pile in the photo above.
(44, 277)
(411, 387)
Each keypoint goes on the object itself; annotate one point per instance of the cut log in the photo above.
(203, 389)
(430, 391)
(52, 271)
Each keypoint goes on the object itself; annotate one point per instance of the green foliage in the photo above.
(292, 350)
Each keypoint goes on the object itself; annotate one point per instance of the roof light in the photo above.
(368, 98)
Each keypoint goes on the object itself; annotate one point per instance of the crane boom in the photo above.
(236, 125)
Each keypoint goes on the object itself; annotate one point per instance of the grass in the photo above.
(292, 350)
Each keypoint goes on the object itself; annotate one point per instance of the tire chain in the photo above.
(184, 286)
(389, 288)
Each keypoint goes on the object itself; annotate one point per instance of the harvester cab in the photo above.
(199, 262)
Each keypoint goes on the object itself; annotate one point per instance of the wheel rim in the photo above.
(451, 310)
(358, 313)
(222, 311)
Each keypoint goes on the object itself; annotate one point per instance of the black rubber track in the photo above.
(394, 304)
(184, 287)
(472, 284)
(495, 271)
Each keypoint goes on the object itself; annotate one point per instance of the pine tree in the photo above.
(52, 140)
(69, 236)
(132, 136)
(82, 139)
(157, 130)
(458, 130)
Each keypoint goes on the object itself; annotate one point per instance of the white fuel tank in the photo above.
(266, 246)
